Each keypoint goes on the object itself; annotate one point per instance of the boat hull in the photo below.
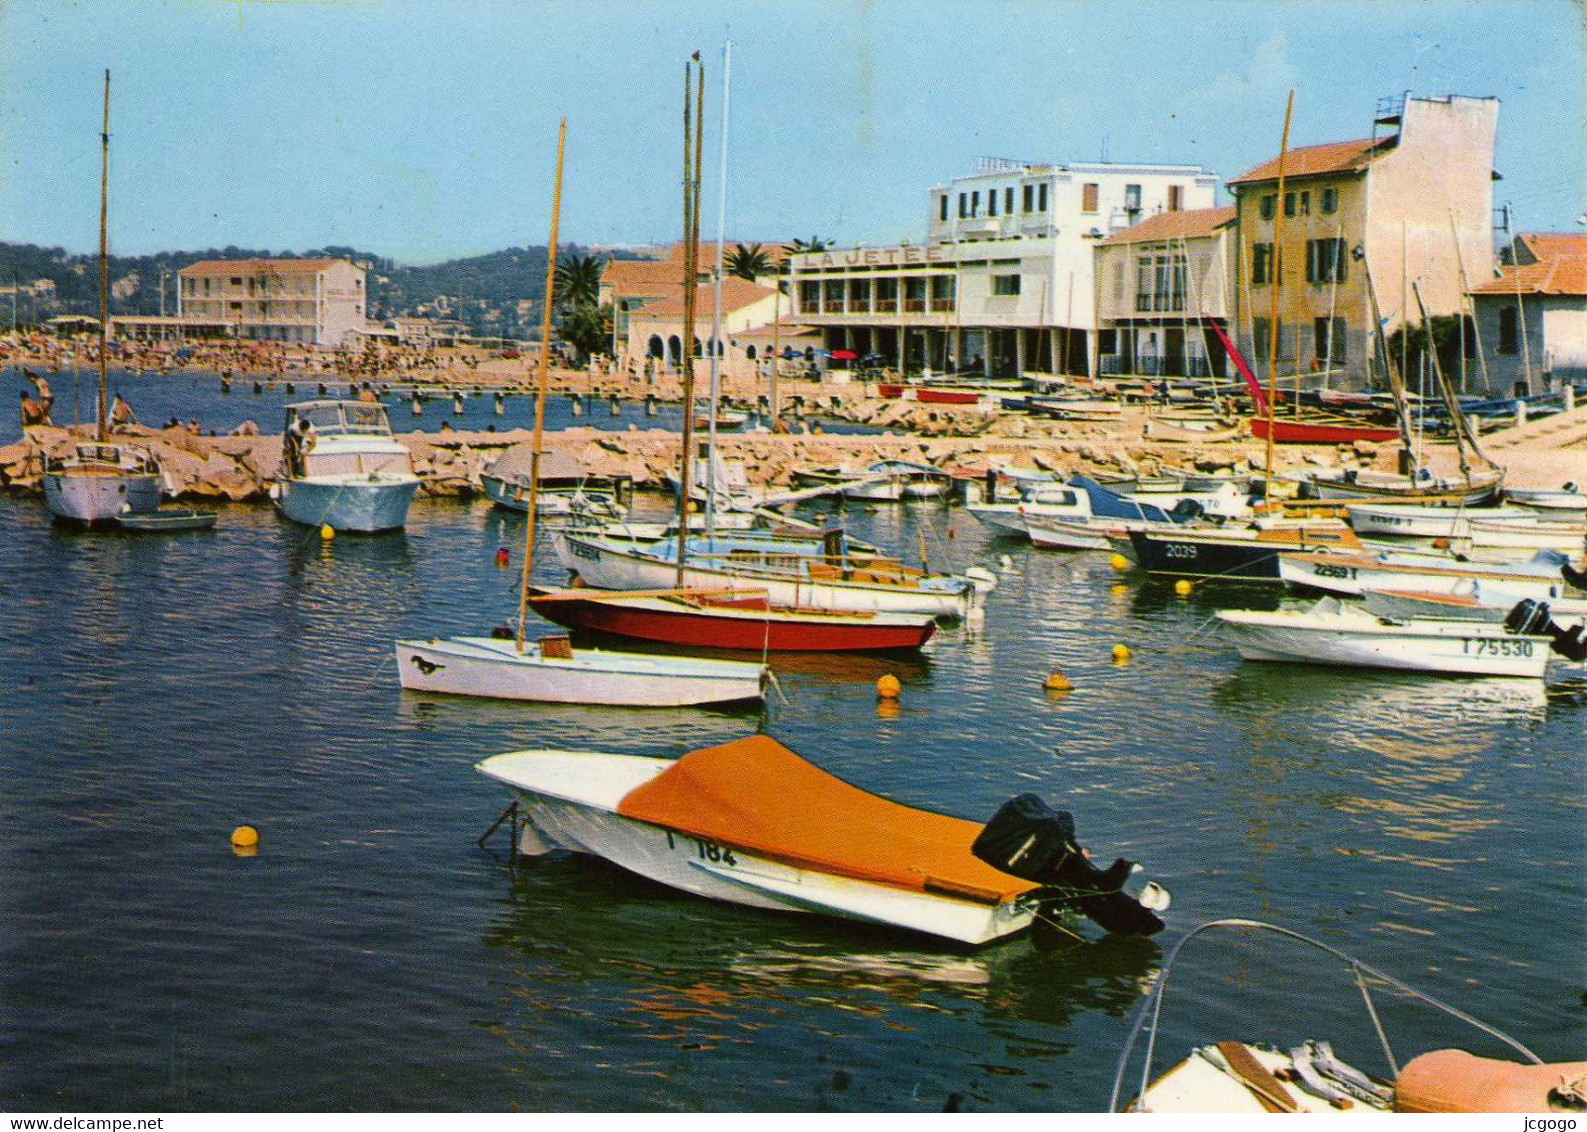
(1300, 431)
(666, 621)
(357, 503)
(564, 815)
(99, 497)
(607, 567)
(1453, 648)
(1349, 574)
(493, 669)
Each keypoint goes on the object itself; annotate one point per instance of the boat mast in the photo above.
(716, 298)
(1402, 414)
(691, 251)
(102, 432)
(540, 388)
(1272, 322)
(1457, 419)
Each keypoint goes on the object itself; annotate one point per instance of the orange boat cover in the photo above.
(1452, 1080)
(756, 794)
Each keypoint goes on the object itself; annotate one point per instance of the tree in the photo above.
(1446, 340)
(815, 244)
(579, 280)
(588, 329)
(749, 263)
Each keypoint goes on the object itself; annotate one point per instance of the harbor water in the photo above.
(161, 691)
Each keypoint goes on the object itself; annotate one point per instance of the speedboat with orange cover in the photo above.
(1244, 1076)
(751, 822)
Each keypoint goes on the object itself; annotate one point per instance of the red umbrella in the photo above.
(844, 356)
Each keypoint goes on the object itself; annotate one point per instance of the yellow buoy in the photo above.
(244, 837)
(1121, 654)
(888, 687)
(1183, 587)
(1120, 563)
(327, 532)
(1056, 682)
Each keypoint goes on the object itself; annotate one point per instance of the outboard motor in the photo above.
(1028, 839)
(1575, 577)
(1534, 619)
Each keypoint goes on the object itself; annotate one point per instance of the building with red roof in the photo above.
(306, 301)
(1531, 314)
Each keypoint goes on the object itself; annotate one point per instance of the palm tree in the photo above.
(815, 244)
(579, 280)
(749, 263)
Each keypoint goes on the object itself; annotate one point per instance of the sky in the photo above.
(426, 129)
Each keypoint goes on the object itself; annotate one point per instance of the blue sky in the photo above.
(423, 129)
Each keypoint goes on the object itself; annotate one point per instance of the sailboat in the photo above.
(101, 480)
(741, 589)
(552, 670)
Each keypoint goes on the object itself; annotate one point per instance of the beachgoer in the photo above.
(367, 395)
(32, 412)
(121, 414)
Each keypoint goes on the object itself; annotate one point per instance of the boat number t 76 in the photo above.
(1483, 646)
(705, 850)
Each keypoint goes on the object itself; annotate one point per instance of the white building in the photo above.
(1003, 284)
(1532, 317)
(308, 301)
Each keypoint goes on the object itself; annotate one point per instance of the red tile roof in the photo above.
(1553, 245)
(245, 266)
(1317, 160)
(1566, 275)
(736, 295)
(1187, 224)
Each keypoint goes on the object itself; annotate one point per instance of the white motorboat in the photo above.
(1569, 500)
(1248, 1077)
(564, 490)
(750, 822)
(1475, 600)
(1336, 634)
(100, 482)
(1349, 574)
(343, 468)
(549, 670)
(1046, 501)
(1425, 521)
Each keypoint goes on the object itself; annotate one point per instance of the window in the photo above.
(1289, 204)
(991, 202)
(1261, 264)
(236, 281)
(1008, 199)
(942, 293)
(1041, 197)
(1088, 198)
(915, 294)
(1329, 349)
(944, 203)
(859, 294)
(833, 295)
(1330, 200)
(887, 294)
(1143, 284)
(964, 202)
(1030, 192)
(1260, 339)
(1005, 284)
(1326, 261)
(1132, 198)
(809, 295)
(975, 203)
(1176, 198)
(1509, 330)
(1268, 205)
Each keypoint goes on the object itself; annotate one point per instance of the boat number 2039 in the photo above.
(705, 850)
(1485, 647)
(1178, 550)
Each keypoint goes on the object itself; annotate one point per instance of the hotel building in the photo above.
(307, 301)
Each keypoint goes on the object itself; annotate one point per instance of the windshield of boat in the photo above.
(330, 418)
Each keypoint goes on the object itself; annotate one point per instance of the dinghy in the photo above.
(750, 822)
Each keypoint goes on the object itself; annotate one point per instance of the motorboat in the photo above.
(564, 490)
(1569, 500)
(1333, 633)
(1244, 1075)
(100, 481)
(750, 822)
(1473, 600)
(550, 670)
(166, 520)
(1349, 574)
(1045, 501)
(1426, 521)
(1249, 553)
(342, 468)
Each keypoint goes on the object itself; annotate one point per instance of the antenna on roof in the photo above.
(1104, 156)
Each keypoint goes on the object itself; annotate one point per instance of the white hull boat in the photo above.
(1048, 501)
(1477, 603)
(609, 565)
(752, 823)
(1050, 533)
(343, 468)
(1333, 634)
(550, 672)
(1567, 502)
(1378, 486)
(98, 483)
(1349, 574)
(1414, 520)
(560, 502)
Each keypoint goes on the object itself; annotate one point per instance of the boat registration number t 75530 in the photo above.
(1484, 646)
(705, 850)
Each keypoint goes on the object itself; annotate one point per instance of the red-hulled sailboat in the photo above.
(741, 619)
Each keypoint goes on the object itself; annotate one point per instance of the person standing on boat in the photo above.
(45, 395)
